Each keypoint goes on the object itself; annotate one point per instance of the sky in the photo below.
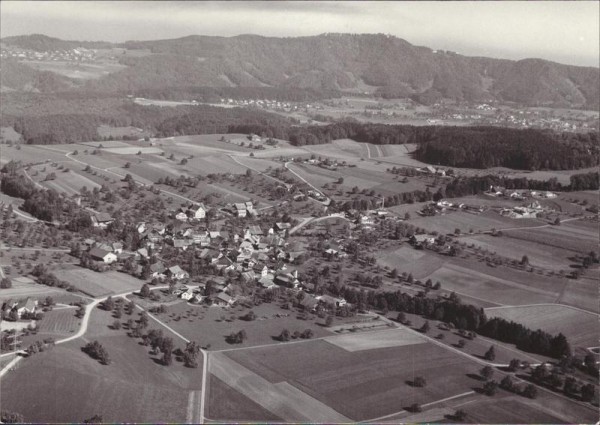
(562, 31)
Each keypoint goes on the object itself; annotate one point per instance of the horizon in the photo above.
(513, 30)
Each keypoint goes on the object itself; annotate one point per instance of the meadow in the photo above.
(581, 328)
(363, 384)
(98, 284)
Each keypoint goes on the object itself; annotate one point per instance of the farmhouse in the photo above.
(197, 212)
(99, 254)
(223, 300)
(329, 300)
(20, 307)
(157, 270)
(177, 273)
(101, 220)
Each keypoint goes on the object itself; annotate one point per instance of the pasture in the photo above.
(466, 221)
(69, 183)
(565, 237)
(8, 134)
(581, 328)
(364, 384)
(549, 257)
(210, 325)
(77, 70)
(227, 404)
(108, 131)
(409, 260)
(98, 284)
(70, 386)
(494, 289)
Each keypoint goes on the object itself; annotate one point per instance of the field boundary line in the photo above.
(544, 304)
(423, 405)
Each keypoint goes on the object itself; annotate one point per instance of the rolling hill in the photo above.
(378, 63)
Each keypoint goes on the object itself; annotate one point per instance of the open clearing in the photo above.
(282, 399)
(98, 284)
(9, 134)
(375, 339)
(227, 404)
(581, 328)
(409, 260)
(490, 288)
(108, 131)
(69, 386)
(465, 222)
(133, 150)
(70, 183)
(362, 384)
(77, 70)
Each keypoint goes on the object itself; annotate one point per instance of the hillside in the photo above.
(378, 63)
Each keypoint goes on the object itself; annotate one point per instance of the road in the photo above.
(326, 202)
(310, 220)
(233, 157)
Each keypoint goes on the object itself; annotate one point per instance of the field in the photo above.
(82, 71)
(364, 384)
(108, 131)
(465, 222)
(99, 284)
(493, 289)
(548, 257)
(69, 386)
(70, 182)
(210, 325)
(8, 134)
(58, 324)
(409, 260)
(581, 328)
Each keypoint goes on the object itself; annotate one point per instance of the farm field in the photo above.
(227, 404)
(581, 328)
(98, 284)
(407, 259)
(82, 71)
(70, 386)
(70, 182)
(23, 290)
(108, 131)
(30, 154)
(564, 237)
(365, 384)
(582, 293)
(58, 324)
(465, 221)
(9, 134)
(548, 257)
(493, 289)
(209, 325)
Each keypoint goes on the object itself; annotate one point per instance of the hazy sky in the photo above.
(563, 31)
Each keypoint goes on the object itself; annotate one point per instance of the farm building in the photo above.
(20, 307)
(104, 255)
(101, 220)
(177, 273)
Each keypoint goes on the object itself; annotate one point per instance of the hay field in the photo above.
(409, 260)
(375, 339)
(470, 282)
(581, 328)
(365, 384)
(8, 134)
(70, 183)
(76, 70)
(98, 284)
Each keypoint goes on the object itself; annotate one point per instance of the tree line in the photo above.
(465, 317)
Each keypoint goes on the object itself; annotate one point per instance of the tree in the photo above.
(143, 322)
(425, 328)
(130, 308)
(486, 372)
(127, 165)
(419, 382)
(329, 321)
(461, 343)
(490, 355)
(108, 304)
(507, 383)
(284, 335)
(7, 417)
(514, 365)
(490, 388)
(530, 391)
(145, 291)
(116, 325)
(415, 408)
(524, 260)
(460, 416)
(570, 388)
(5, 283)
(588, 392)
(401, 317)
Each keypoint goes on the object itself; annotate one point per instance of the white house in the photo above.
(197, 212)
(177, 273)
(99, 254)
(101, 220)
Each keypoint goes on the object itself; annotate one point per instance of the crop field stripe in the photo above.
(545, 304)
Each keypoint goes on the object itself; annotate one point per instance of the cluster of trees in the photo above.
(485, 147)
(286, 335)
(569, 385)
(44, 277)
(464, 317)
(47, 205)
(237, 337)
(478, 184)
(7, 417)
(190, 354)
(95, 350)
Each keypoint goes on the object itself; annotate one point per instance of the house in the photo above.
(197, 212)
(329, 300)
(182, 243)
(177, 273)
(101, 220)
(21, 307)
(143, 252)
(248, 276)
(266, 282)
(181, 215)
(99, 254)
(117, 247)
(288, 280)
(141, 227)
(255, 230)
(260, 269)
(223, 300)
(157, 269)
(240, 209)
(187, 295)
(308, 302)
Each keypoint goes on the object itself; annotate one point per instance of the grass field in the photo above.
(205, 324)
(362, 384)
(76, 70)
(227, 404)
(409, 260)
(490, 288)
(98, 284)
(549, 257)
(579, 327)
(70, 386)
(8, 134)
(108, 131)
(465, 222)
(70, 182)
